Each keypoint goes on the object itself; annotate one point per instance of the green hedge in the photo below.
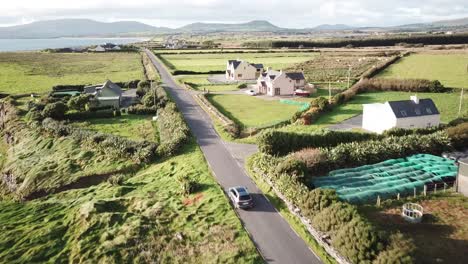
(107, 113)
(173, 131)
(280, 143)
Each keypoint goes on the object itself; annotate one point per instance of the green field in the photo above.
(217, 62)
(449, 69)
(201, 83)
(26, 72)
(249, 111)
(135, 127)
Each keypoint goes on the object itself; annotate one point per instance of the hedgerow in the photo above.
(173, 131)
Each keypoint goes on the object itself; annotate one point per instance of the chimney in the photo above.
(415, 99)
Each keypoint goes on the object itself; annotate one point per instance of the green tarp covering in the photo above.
(388, 178)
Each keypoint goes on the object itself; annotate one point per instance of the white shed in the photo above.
(413, 113)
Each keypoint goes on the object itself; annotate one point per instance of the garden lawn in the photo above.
(27, 72)
(249, 111)
(447, 103)
(217, 62)
(135, 127)
(449, 69)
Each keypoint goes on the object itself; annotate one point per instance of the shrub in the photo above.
(242, 86)
(358, 241)
(140, 109)
(292, 167)
(458, 135)
(399, 250)
(334, 217)
(316, 200)
(187, 186)
(79, 102)
(321, 103)
(54, 110)
(311, 157)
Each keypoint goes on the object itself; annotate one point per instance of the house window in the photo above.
(428, 110)
(239, 75)
(277, 91)
(403, 113)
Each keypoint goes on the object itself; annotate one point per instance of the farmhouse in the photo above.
(242, 70)
(275, 83)
(107, 94)
(106, 47)
(413, 113)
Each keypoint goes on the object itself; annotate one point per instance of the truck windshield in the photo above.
(244, 197)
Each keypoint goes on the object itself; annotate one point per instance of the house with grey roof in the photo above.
(107, 94)
(238, 70)
(275, 83)
(413, 113)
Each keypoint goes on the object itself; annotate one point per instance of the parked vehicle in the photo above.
(300, 92)
(251, 92)
(240, 197)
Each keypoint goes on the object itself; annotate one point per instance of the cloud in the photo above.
(290, 13)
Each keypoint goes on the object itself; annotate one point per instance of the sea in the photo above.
(54, 43)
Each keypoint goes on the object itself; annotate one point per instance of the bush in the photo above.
(54, 110)
(399, 250)
(242, 86)
(311, 157)
(404, 85)
(334, 217)
(107, 113)
(321, 103)
(358, 241)
(187, 186)
(292, 167)
(140, 109)
(458, 135)
(280, 143)
(79, 102)
(316, 200)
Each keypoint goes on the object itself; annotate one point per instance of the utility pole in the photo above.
(349, 74)
(461, 97)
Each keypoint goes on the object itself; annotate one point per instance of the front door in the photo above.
(277, 91)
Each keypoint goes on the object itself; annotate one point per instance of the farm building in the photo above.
(242, 70)
(274, 83)
(462, 178)
(107, 94)
(413, 113)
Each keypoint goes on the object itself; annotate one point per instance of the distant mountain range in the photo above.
(88, 28)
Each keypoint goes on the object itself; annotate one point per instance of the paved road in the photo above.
(272, 235)
(348, 124)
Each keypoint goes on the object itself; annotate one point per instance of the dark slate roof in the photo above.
(90, 89)
(258, 66)
(272, 77)
(295, 75)
(408, 108)
(235, 63)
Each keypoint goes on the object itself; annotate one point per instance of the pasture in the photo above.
(450, 69)
(217, 62)
(249, 111)
(200, 82)
(27, 72)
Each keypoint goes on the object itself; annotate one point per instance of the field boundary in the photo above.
(320, 238)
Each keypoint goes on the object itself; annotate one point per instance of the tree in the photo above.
(79, 102)
(54, 110)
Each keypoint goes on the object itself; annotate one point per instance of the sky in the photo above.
(283, 13)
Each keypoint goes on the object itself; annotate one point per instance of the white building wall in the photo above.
(418, 121)
(285, 85)
(378, 118)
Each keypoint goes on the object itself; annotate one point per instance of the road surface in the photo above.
(271, 234)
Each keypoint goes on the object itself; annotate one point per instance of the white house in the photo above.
(106, 94)
(242, 70)
(413, 113)
(274, 83)
(99, 48)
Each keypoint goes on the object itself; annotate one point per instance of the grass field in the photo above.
(217, 62)
(449, 69)
(442, 237)
(27, 72)
(135, 127)
(141, 219)
(201, 83)
(249, 111)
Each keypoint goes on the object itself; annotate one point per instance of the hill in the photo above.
(253, 26)
(77, 28)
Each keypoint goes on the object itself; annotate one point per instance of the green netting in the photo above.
(388, 178)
